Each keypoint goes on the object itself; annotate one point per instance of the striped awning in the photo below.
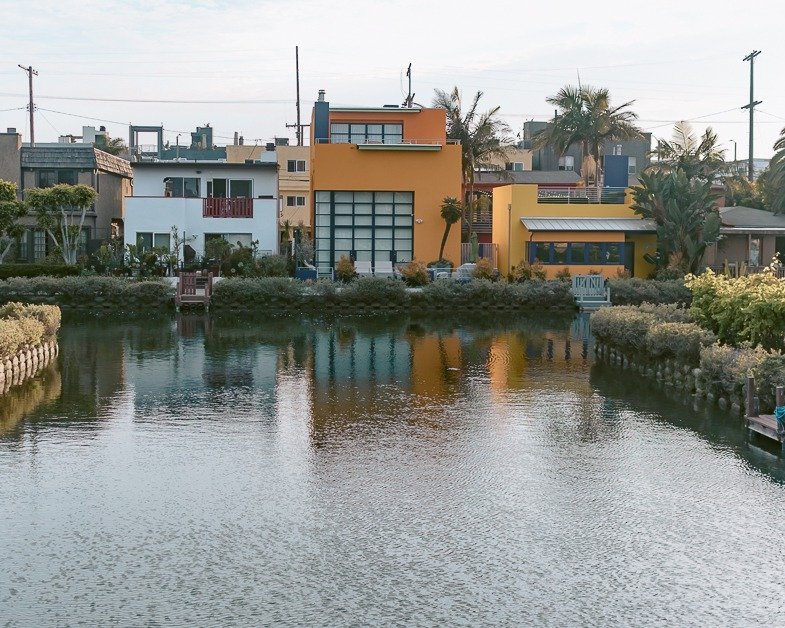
(589, 224)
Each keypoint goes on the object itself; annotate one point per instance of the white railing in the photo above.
(484, 249)
(573, 195)
(389, 141)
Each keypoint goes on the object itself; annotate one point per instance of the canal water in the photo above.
(288, 472)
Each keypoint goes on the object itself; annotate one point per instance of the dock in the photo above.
(193, 290)
(764, 424)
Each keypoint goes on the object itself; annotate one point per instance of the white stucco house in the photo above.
(204, 199)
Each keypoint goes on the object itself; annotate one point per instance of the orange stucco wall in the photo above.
(431, 175)
(418, 124)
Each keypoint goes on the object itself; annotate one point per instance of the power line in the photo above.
(162, 101)
(12, 109)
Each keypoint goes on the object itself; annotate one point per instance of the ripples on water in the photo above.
(365, 472)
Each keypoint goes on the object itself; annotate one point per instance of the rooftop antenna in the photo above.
(410, 98)
(578, 70)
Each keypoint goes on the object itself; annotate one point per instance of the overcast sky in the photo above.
(99, 60)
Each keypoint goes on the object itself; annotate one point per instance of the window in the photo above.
(295, 201)
(372, 133)
(235, 239)
(590, 253)
(295, 165)
(514, 166)
(241, 188)
(182, 187)
(632, 165)
(567, 162)
(49, 178)
(367, 226)
(754, 257)
(39, 245)
(146, 240)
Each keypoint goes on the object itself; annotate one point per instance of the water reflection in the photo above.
(283, 471)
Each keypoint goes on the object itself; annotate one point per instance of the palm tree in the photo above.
(698, 157)
(775, 181)
(585, 117)
(483, 136)
(451, 212)
(111, 145)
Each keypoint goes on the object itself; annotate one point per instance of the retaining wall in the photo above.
(23, 365)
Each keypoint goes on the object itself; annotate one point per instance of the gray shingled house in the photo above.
(45, 165)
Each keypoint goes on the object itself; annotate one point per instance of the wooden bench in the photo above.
(590, 291)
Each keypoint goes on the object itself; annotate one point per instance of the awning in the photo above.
(589, 224)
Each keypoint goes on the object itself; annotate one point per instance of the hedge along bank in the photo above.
(28, 340)
(89, 293)
(380, 294)
(663, 342)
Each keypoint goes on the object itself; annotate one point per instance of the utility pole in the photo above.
(297, 72)
(30, 73)
(751, 106)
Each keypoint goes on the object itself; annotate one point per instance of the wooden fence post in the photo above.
(751, 397)
(780, 396)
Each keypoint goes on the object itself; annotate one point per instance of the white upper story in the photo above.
(189, 179)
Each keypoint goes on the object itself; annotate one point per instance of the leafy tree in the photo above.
(483, 136)
(11, 211)
(739, 191)
(111, 145)
(451, 212)
(775, 181)
(698, 157)
(684, 211)
(586, 118)
(61, 211)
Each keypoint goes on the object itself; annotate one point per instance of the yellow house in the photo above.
(575, 228)
(378, 178)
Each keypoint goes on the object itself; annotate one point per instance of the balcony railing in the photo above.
(581, 196)
(390, 141)
(227, 207)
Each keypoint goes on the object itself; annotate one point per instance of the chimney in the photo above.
(241, 140)
(321, 95)
(270, 146)
(236, 135)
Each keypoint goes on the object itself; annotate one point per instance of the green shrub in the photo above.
(255, 293)
(526, 271)
(375, 290)
(666, 312)
(484, 269)
(85, 291)
(48, 315)
(563, 274)
(273, 266)
(682, 341)
(415, 274)
(724, 369)
(441, 263)
(636, 291)
(746, 309)
(37, 270)
(669, 274)
(622, 327)
(344, 269)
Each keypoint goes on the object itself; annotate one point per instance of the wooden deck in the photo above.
(766, 425)
(763, 424)
(193, 291)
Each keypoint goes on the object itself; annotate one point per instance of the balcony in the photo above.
(581, 196)
(389, 141)
(213, 207)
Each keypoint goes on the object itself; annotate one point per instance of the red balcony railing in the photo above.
(227, 208)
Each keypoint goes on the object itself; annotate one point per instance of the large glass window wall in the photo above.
(364, 226)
